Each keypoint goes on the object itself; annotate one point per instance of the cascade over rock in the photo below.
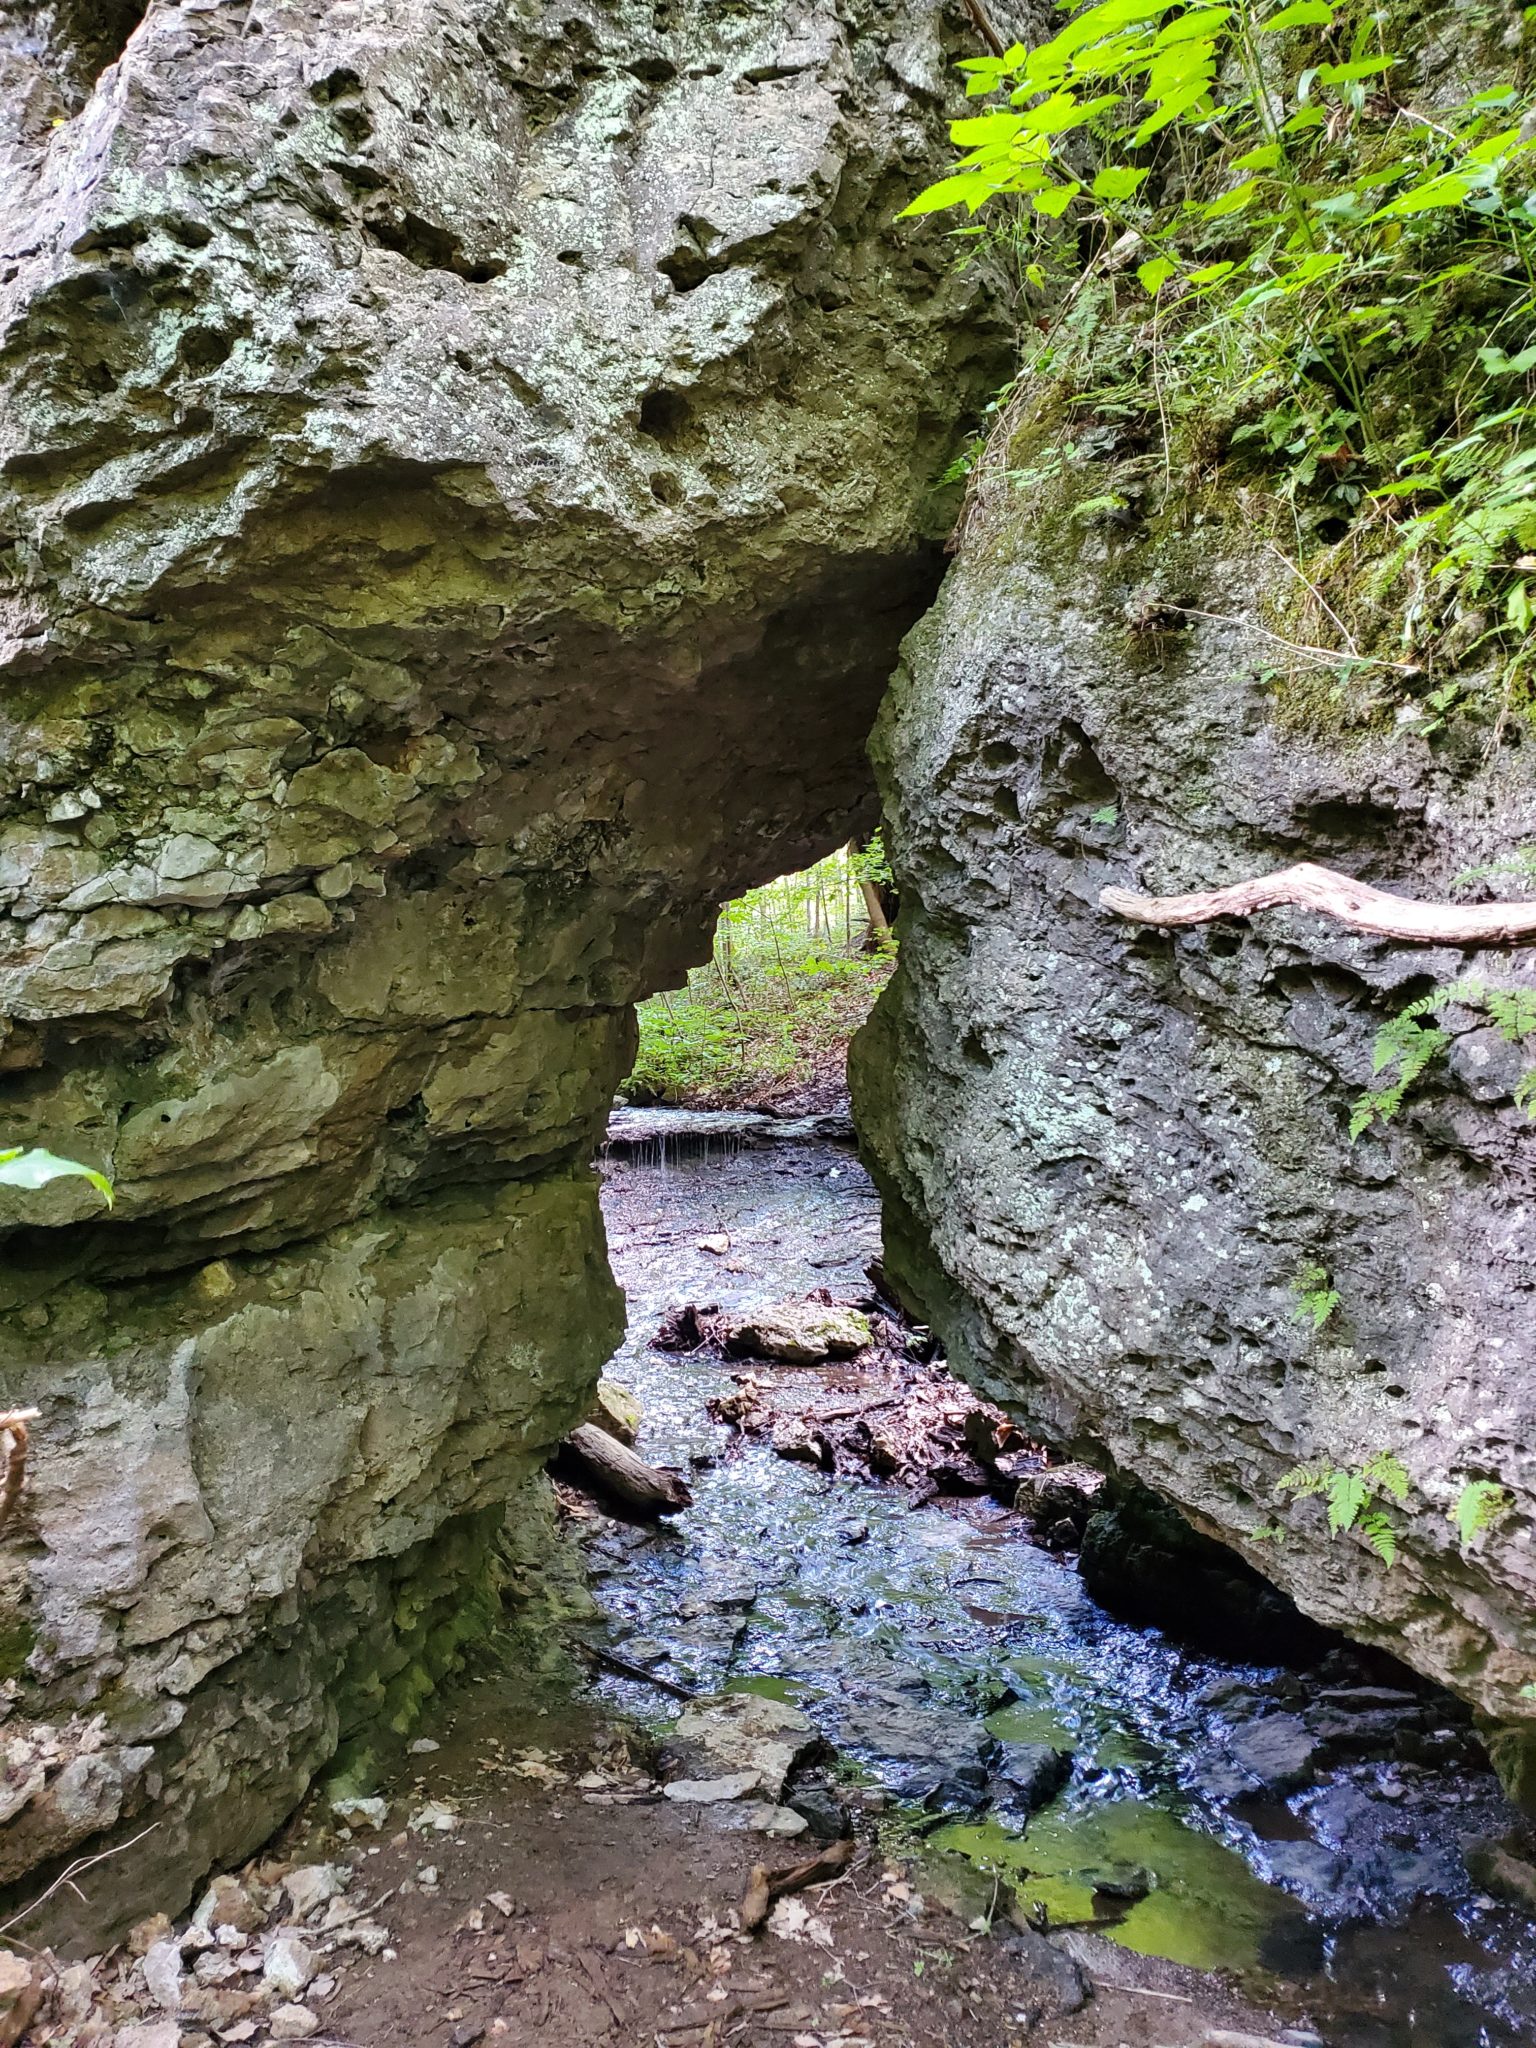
(1110, 1155)
(465, 470)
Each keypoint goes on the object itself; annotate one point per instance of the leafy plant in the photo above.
(1305, 231)
(1481, 1504)
(1519, 864)
(1355, 1495)
(1319, 1297)
(35, 1168)
(1409, 1044)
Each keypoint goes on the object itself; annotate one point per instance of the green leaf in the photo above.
(1211, 273)
(1480, 1505)
(1171, 109)
(1347, 1495)
(1184, 28)
(1387, 1474)
(1054, 200)
(1449, 189)
(1155, 273)
(1264, 158)
(1359, 67)
(1117, 181)
(1382, 1537)
(1231, 202)
(1300, 14)
(35, 1169)
(965, 188)
(998, 126)
(1497, 364)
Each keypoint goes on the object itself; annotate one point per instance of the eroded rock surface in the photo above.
(1112, 1156)
(464, 472)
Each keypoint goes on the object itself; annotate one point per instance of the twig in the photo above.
(1325, 657)
(74, 1870)
(1297, 571)
(983, 27)
(1352, 902)
(621, 1668)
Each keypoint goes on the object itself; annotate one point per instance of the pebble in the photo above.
(162, 1975)
(148, 2034)
(289, 1966)
(708, 1791)
(425, 1746)
(312, 1884)
(367, 1813)
(293, 2023)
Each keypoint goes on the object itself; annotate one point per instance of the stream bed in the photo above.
(937, 1645)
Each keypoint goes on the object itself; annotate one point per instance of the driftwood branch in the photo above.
(1339, 896)
(13, 1458)
(644, 1489)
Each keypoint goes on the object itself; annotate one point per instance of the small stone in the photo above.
(288, 1967)
(429, 1877)
(148, 2034)
(312, 1885)
(424, 1746)
(434, 1817)
(162, 1974)
(467, 2034)
(781, 1823)
(242, 2030)
(710, 1791)
(148, 1932)
(367, 1935)
(361, 1813)
(226, 1904)
(293, 2023)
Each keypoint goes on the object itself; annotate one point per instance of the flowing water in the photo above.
(930, 1642)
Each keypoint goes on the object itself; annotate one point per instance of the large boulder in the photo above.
(465, 468)
(1116, 1159)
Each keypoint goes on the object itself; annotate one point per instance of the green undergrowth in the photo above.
(795, 970)
(1284, 256)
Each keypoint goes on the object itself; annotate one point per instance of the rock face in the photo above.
(1110, 1155)
(464, 473)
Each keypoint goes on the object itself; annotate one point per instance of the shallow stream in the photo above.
(929, 1642)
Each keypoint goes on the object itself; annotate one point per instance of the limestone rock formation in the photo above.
(465, 468)
(1111, 1155)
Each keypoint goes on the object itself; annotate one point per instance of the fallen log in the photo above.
(644, 1489)
(767, 1885)
(1351, 902)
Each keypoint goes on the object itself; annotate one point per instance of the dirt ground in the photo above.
(568, 1915)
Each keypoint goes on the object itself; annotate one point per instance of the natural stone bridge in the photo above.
(466, 467)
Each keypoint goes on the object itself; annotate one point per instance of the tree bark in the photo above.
(1338, 896)
(644, 1489)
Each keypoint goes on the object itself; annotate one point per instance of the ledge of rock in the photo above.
(458, 517)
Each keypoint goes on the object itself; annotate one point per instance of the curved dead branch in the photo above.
(1339, 896)
(13, 1458)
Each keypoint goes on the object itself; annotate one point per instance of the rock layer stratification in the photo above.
(464, 473)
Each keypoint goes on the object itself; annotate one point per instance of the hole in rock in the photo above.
(664, 415)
